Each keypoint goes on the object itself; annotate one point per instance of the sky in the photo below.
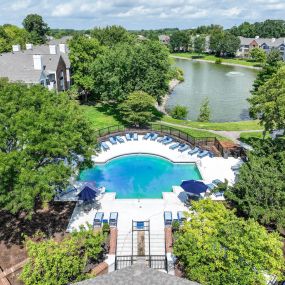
(141, 14)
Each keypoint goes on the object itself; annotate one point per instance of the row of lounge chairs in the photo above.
(166, 140)
(168, 218)
(99, 219)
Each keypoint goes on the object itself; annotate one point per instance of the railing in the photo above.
(168, 130)
(158, 128)
(153, 261)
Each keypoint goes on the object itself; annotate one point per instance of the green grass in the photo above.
(251, 137)
(214, 58)
(99, 118)
(227, 126)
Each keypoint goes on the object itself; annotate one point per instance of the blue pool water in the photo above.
(140, 176)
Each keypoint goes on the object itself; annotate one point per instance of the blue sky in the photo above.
(141, 14)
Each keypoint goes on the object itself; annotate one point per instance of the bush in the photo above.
(176, 73)
(106, 228)
(218, 61)
(64, 262)
(205, 112)
(175, 226)
(138, 109)
(179, 112)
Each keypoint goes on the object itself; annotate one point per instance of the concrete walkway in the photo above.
(231, 135)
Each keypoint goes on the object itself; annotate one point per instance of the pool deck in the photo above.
(150, 209)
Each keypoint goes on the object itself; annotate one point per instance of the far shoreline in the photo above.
(211, 61)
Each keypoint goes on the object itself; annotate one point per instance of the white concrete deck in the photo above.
(150, 209)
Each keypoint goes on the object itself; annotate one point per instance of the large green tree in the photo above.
(83, 51)
(42, 134)
(224, 44)
(138, 109)
(260, 189)
(126, 68)
(215, 247)
(112, 35)
(199, 44)
(179, 41)
(61, 263)
(36, 27)
(12, 35)
(258, 55)
(268, 102)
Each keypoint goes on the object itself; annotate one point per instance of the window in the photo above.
(61, 82)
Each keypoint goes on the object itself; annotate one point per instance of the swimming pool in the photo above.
(140, 176)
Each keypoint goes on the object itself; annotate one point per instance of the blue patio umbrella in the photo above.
(87, 194)
(194, 187)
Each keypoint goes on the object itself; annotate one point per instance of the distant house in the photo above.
(44, 64)
(164, 39)
(267, 44)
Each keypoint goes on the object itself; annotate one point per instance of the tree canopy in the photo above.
(268, 102)
(266, 29)
(42, 135)
(179, 41)
(205, 112)
(12, 35)
(258, 54)
(223, 43)
(216, 247)
(138, 109)
(36, 27)
(260, 189)
(61, 263)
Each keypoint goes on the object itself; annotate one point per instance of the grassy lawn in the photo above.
(214, 58)
(227, 126)
(99, 118)
(251, 137)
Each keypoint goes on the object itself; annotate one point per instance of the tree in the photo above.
(112, 35)
(138, 109)
(179, 112)
(216, 247)
(36, 28)
(126, 68)
(179, 41)
(83, 51)
(258, 55)
(42, 136)
(272, 64)
(224, 44)
(199, 44)
(268, 102)
(205, 112)
(260, 189)
(61, 263)
(12, 35)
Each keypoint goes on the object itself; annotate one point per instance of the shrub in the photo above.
(175, 226)
(205, 112)
(106, 228)
(138, 109)
(218, 61)
(179, 112)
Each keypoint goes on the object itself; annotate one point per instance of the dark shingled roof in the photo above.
(137, 274)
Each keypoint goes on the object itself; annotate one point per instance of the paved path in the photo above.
(231, 135)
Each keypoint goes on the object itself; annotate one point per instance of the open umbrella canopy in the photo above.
(194, 187)
(87, 194)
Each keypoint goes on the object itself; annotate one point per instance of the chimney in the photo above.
(273, 40)
(256, 37)
(52, 49)
(37, 62)
(62, 48)
(29, 46)
(16, 48)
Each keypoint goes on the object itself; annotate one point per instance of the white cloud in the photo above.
(63, 10)
(20, 5)
(142, 13)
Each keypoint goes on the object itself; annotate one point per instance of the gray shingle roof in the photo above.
(137, 274)
(268, 41)
(19, 66)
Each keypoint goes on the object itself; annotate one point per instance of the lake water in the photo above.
(227, 88)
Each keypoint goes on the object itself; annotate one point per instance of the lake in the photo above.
(227, 88)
